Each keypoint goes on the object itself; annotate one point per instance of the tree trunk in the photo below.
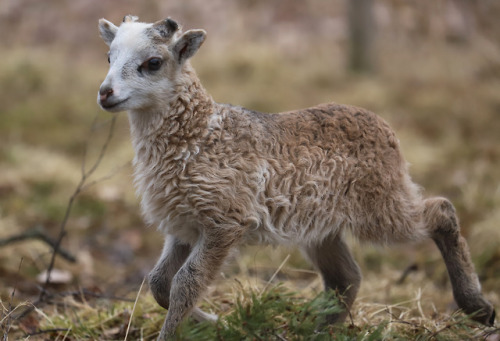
(362, 34)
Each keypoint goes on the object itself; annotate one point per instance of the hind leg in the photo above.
(442, 223)
(338, 269)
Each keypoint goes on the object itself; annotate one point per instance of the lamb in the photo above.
(214, 176)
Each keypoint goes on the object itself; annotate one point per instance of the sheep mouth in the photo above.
(109, 106)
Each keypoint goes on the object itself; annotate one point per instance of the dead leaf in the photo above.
(56, 276)
(29, 324)
(111, 331)
(493, 337)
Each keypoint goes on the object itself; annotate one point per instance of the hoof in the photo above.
(491, 321)
(486, 316)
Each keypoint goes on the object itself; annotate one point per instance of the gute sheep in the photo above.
(213, 176)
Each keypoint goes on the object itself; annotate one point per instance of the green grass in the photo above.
(276, 313)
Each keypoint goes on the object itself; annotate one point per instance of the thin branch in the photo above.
(38, 233)
(86, 146)
(79, 187)
(103, 149)
(46, 331)
(62, 231)
(492, 332)
(401, 321)
(409, 269)
(105, 177)
(84, 292)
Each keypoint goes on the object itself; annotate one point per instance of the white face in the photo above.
(145, 62)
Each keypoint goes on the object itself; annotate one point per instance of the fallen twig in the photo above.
(45, 331)
(38, 233)
(396, 319)
(87, 293)
(411, 268)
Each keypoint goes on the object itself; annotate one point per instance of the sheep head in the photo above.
(146, 62)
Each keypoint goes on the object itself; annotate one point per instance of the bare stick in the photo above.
(83, 293)
(85, 175)
(38, 233)
(411, 268)
(47, 331)
(106, 177)
(79, 188)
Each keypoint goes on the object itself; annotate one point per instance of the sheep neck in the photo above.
(179, 127)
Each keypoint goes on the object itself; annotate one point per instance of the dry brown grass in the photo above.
(441, 98)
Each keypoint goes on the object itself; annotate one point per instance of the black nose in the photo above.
(105, 93)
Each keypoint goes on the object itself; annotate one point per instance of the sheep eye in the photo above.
(109, 60)
(154, 64)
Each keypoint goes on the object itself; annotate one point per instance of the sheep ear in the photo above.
(187, 45)
(107, 30)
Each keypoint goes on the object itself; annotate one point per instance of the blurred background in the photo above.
(430, 68)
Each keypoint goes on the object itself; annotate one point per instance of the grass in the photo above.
(276, 313)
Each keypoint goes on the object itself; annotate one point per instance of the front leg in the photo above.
(174, 254)
(194, 276)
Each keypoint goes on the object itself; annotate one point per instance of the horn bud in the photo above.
(130, 18)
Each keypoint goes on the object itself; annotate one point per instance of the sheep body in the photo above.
(290, 178)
